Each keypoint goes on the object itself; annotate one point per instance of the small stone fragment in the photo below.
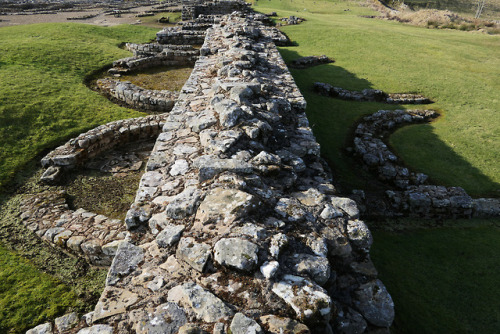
(193, 253)
(66, 322)
(242, 324)
(170, 235)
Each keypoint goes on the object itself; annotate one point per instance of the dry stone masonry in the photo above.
(236, 227)
(412, 196)
(135, 97)
(98, 140)
(79, 232)
(305, 62)
(372, 95)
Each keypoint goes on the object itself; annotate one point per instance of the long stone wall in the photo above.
(236, 225)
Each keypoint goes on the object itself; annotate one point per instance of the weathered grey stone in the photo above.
(242, 324)
(180, 167)
(350, 322)
(225, 204)
(193, 253)
(111, 248)
(170, 235)
(278, 241)
(229, 112)
(236, 253)
(166, 319)
(127, 258)
(316, 267)
(61, 238)
(359, 234)
(66, 322)
(51, 174)
(184, 204)
(52, 232)
(203, 303)
(191, 329)
(280, 325)
(74, 243)
(210, 165)
(269, 269)
(97, 329)
(113, 301)
(310, 302)
(375, 304)
(347, 205)
(91, 247)
(310, 197)
(41, 329)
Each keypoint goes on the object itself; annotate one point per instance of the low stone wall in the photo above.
(414, 198)
(236, 226)
(167, 57)
(153, 49)
(305, 62)
(369, 145)
(82, 233)
(176, 36)
(192, 9)
(138, 98)
(371, 95)
(102, 138)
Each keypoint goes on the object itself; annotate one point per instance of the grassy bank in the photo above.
(459, 70)
(43, 102)
(42, 96)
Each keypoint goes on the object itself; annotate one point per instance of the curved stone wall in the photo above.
(138, 98)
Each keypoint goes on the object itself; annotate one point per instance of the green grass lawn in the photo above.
(459, 70)
(443, 280)
(43, 100)
(28, 297)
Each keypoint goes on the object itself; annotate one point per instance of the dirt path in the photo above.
(101, 19)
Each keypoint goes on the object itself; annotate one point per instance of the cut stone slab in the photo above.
(170, 235)
(226, 205)
(66, 322)
(127, 258)
(242, 324)
(211, 165)
(113, 301)
(193, 253)
(166, 319)
(229, 112)
(97, 329)
(203, 303)
(41, 329)
(236, 253)
(375, 304)
(280, 325)
(310, 302)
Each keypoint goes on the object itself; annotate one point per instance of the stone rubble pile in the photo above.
(370, 95)
(98, 140)
(136, 97)
(305, 62)
(292, 20)
(235, 227)
(82, 233)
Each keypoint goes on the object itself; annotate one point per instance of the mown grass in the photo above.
(459, 70)
(443, 280)
(28, 297)
(42, 96)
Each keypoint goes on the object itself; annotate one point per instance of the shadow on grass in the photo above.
(333, 122)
